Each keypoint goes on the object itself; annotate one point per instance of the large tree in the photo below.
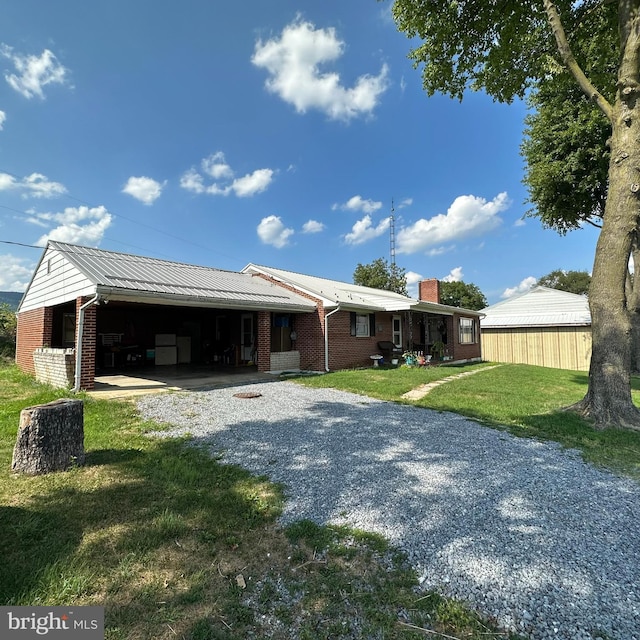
(462, 294)
(379, 274)
(507, 47)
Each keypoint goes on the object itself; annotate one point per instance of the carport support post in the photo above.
(264, 341)
(85, 343)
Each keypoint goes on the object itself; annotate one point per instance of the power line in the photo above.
(21, 244)
(118, 215)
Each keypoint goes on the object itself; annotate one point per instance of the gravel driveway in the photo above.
(523, 530)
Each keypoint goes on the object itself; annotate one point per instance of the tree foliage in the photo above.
(461, 294)
(590, 48)
(379, 274)
(565, 145)
(8, 326)
(572, 281)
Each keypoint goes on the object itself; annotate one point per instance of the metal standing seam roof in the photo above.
(347, 295)
(132, 273)
(539, 307)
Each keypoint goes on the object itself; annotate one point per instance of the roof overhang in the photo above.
(177, 300)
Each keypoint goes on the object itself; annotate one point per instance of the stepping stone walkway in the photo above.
(423, 389)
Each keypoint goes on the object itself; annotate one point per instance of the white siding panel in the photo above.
(56, 281)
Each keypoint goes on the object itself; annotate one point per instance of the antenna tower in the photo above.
(392, 236)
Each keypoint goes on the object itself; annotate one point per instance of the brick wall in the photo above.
(88, 364)
(308, 326)
(264, 340)
(55, 366)
(285, 361)
(462, 351)
(347, 351)
(34, 330)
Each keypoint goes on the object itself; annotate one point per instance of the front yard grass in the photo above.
(525, 400)
(175, 545)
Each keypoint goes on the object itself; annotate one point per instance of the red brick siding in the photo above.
(88, 364)
(309, 328)
(34, 330)
(264, 340)
(462, 351)
(347, 351)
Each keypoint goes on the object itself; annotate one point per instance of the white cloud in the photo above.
(466, 217)
(3, 118)
(523, 287)
(293, 62)
(312, 226)
(412, 282)
(272, 231)
(216, 167)
(252, 183)
(520, 222)
(77, 225)
(33, 72)
(358, 203)
(406, 202)
(35, 185)
(363, 230)
(144, 189)
(455, 275)
(15, 273)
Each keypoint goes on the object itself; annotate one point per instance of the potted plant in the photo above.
(410, 358)
(437, 349)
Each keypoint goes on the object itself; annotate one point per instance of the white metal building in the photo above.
(543, 326)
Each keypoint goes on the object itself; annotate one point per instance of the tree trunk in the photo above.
(608, 400)
(50, 438)
(633, 296)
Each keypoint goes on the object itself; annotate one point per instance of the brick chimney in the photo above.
(429, 290)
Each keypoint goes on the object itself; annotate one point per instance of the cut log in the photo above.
(50, 438)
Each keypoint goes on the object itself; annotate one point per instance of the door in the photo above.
(396, 331)
(246, 337)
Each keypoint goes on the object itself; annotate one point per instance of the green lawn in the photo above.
(175, 545)
(525, 400)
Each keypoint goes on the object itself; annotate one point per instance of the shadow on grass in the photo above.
(123, 506)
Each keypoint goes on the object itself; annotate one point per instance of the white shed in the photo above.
(543, 326)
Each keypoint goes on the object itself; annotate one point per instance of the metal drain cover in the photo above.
(247, 394)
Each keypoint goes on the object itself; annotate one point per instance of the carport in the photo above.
(125, 314)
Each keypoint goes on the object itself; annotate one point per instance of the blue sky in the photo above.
(274, 132)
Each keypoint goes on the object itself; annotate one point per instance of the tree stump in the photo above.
(50, 438)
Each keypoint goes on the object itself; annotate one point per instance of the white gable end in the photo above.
(54, 282)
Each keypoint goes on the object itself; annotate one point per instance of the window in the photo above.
(396, 331)
(363, 325)
(467, 334)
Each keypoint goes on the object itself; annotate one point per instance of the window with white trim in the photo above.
(362, 325)
(467, 333)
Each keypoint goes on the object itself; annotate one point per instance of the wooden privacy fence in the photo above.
(556, 347)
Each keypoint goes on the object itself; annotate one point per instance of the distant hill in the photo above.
(12, 298)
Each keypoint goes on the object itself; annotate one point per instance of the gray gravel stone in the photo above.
(524, 531)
